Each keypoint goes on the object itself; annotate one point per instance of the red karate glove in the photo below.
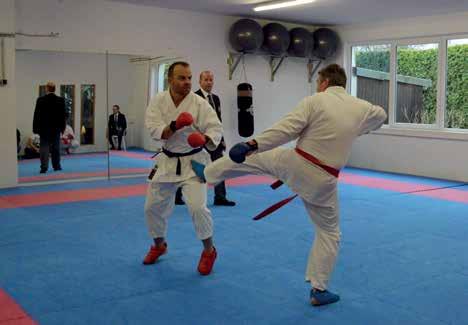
(196, 140)
(184, 119)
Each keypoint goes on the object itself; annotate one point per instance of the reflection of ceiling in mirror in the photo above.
(333, 12)
(135, 59)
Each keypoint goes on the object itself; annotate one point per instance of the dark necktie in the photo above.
(210, 100)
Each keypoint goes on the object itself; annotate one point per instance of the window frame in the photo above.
(154, 77)
(436, 130)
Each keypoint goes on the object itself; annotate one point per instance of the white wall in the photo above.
(138, 102)
(419, 154)
(8, 171)
(34, 68)
(97, 25)
(144, 30)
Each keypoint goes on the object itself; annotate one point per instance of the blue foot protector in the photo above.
(320, 298)
(199, 170)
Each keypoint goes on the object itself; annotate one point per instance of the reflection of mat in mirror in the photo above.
(76, 166)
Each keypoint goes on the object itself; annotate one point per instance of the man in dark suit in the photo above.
(117, 126)
(49, 121)
(206, 85)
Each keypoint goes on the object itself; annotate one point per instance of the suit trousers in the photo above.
(50, 144)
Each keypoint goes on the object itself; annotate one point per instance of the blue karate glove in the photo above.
(241, 150)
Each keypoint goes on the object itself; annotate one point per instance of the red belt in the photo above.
(315, 161)
(332, 171)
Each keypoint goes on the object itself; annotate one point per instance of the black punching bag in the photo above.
(245, 114)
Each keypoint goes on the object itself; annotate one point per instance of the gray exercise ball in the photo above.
(246, 35)
(276, 39)
(325, 43)
(302, 42)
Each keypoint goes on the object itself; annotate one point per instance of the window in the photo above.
(68, 93)
(417, 83)
(456, 112)
(163, 83)
(159, 80)
(422, 84)
(370, 74)
(42, 90)
(87, 113)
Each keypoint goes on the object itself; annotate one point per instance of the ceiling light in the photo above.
(282, 4)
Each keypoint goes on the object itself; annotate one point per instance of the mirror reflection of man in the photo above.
(49, 122)
(206, 86)
(117, 126)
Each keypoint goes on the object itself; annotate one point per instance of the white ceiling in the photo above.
(331, 12)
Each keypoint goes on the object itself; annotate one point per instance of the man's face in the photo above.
(207, 81)
(181, 80)
(115, 110)
(322, 84)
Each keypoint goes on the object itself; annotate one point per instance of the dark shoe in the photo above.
(224, 202)
(43, 171)
(320, 298)
(57, 169)
(179, 201)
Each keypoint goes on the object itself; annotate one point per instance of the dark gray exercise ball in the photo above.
(326, 43)
(246, 35)
(302, 42)
(276, 39)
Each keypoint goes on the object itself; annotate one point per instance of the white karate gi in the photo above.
(325, 126)
(68, 140)
(163, 186)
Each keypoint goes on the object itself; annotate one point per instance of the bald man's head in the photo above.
(206, 81)
(50, 87)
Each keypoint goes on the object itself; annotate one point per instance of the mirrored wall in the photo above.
(105, 97)
(133, 81)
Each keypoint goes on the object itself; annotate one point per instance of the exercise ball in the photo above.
(276, 39)
(325, 43)
(246, 36)
(302, 42)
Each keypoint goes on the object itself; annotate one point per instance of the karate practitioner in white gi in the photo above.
(185, 122)
(325, 126)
